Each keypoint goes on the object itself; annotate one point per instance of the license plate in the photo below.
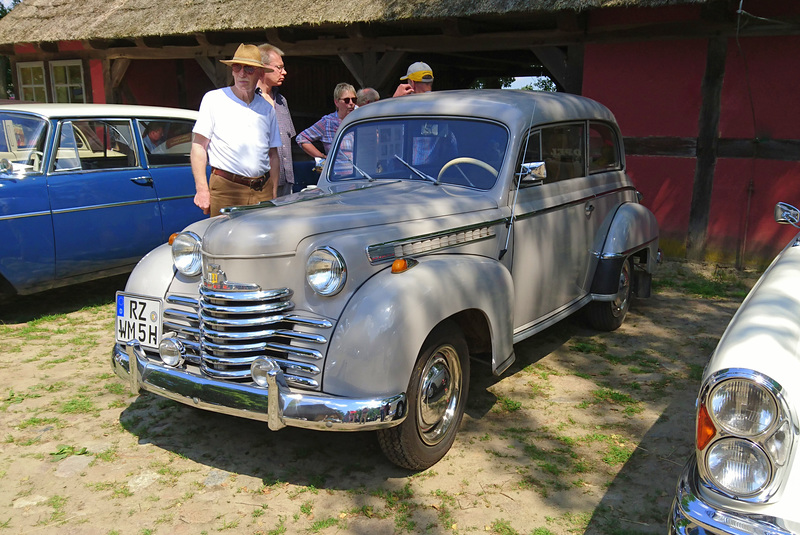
(138, 318)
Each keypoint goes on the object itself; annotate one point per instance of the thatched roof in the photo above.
(59, 20)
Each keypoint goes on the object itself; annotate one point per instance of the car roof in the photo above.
(519, 109)
(55, 111)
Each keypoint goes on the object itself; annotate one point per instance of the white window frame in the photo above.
(22, 87)
(66, 63)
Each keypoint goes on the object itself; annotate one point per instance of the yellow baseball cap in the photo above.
(419, 72)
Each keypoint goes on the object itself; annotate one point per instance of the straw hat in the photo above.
(247, 55)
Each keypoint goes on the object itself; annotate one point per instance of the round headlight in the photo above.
(743, 407)
(738, 466)
(325, 271)
(186, 253)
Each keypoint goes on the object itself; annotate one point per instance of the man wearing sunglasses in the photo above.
(236, 134)
(324, 130)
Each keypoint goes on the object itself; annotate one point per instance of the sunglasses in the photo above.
(348, 100)
(248, 69)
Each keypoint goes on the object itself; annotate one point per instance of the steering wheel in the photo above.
(465, 159)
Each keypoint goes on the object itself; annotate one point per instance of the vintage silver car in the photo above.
(743, 475)
(444, 227)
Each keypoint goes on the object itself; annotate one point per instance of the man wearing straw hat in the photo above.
(236, 134)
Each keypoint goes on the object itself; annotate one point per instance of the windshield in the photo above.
(22, 139)
(465, 152)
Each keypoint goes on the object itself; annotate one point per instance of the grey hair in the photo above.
(366, 95)
(266, 49)
(342, 89)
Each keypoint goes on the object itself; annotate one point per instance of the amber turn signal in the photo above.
(401, 265)
(705, 428)
(172, 237)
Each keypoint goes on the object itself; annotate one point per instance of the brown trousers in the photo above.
(225, 193)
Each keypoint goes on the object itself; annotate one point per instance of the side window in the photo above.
(166, 141)
(603, 148)
(563, 151)
(88, 144)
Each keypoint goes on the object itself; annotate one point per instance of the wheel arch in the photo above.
(379, 335)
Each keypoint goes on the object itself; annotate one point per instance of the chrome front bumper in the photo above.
(277, 404)
(691, 515)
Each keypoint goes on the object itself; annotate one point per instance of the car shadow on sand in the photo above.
(24, 308)
(340, 460)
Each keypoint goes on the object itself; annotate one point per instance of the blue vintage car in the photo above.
(86, 190)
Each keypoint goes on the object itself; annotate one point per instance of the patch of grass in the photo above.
(325, 523)
(57, 503)
(307, 507)
(588, 346)
(79, 404)
(503, 527)
(506, 404)
(65, 450)
(616, 454)
(34, 421)
(695, 372)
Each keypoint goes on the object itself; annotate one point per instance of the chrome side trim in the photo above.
(277, 404)
(691, 514)
(23, 216)
(428, 243)
(103, 206)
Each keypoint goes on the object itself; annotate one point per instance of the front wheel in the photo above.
(437, 393)
(609, 315)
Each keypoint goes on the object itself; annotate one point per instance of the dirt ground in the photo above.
(586, 433)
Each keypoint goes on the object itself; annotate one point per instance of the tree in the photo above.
(542, 83)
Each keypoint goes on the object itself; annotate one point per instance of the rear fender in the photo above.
(383, 327)
(633, 231)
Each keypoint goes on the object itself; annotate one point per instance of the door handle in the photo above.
(142, 180)
(588, 209)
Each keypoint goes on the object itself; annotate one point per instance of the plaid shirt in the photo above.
(323, 130)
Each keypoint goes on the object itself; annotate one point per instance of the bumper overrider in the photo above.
(692, 515)
(276, 404)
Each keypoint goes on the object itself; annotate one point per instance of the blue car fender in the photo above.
(382, 329)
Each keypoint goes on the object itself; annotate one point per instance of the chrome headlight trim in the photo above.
(776, 440)
(326, 271)
(186, 256)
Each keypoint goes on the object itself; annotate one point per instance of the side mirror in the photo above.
(532, 173)
(786, 214)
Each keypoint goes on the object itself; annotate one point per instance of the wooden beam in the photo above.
(707, 141)
(354, 64)
(118, 69)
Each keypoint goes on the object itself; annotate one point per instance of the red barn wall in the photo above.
(654, 89)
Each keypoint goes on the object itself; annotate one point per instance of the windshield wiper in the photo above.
(357, 168)
(417, 171)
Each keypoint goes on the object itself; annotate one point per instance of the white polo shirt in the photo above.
(240, 135)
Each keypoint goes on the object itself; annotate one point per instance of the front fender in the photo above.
(383, 327)
(153, 274)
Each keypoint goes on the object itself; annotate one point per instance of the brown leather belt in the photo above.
(253, 183)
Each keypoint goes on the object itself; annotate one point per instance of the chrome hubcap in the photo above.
(439, 392)
(621, 300)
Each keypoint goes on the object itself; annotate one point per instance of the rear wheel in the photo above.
(609, 315)
(437, 393)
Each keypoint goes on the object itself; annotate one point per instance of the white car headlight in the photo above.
(186, 253)
(738, 466)
(326, 271)
(742, 407)
(744, 434)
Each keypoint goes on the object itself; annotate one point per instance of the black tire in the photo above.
(609, 315)
(434, 414)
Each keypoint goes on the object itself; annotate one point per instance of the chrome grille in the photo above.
(226, 330)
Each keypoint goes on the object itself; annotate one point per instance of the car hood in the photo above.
(278, 226)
